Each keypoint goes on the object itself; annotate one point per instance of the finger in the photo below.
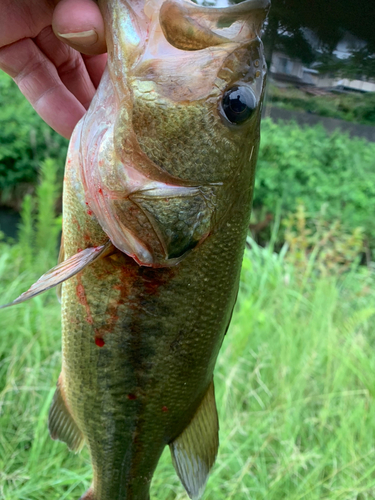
(23, 19)
(95, 66)
(80, 24)
(38, 80)
(69, 64)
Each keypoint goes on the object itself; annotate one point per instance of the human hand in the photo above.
(55, 52)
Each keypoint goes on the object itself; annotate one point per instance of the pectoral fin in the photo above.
(64, 271)
(195, 450)
(61, 424)
(60, 259)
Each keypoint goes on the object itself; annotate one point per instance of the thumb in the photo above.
(79, 23)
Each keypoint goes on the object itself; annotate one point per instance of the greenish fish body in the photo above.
(162, 168)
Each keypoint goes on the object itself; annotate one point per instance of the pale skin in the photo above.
(55, 51)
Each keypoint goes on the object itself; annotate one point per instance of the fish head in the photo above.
(182, 102)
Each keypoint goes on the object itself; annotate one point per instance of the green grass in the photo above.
(294, 387)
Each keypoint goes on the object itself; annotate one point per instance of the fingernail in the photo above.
(85, 38)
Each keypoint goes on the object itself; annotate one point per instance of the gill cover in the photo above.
(178, 54)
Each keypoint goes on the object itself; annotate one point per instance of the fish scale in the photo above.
(158, 329)
(157, 195)
(212, 165)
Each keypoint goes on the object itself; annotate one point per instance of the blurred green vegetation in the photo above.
(330, 174)
(327, 246)
(25, 142)
(358, 108)
(294, 379)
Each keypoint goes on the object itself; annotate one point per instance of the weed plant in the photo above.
(305, 164)
(325, 246)
(294, 383)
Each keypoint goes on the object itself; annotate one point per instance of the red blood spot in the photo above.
(86, 203)
(100, 191)
(99, 342)
(132, 396)
(81, 294)
(89, 212)
(164, 409)
(74, 220)
(79, 250)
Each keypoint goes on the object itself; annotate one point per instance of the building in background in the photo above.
(285, 69)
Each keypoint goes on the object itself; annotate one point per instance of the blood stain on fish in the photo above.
(154, 279)
(83, 300)
(132, 396)
(99, 342)
(75, 221)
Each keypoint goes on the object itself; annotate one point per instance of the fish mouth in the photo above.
(190, 43)
(188, 26)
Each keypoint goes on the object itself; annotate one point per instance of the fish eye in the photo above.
(239, 104)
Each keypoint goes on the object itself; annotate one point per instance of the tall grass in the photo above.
(294, 388)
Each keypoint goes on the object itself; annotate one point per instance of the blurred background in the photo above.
(295, 377)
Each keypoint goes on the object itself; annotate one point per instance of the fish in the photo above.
(157, 196)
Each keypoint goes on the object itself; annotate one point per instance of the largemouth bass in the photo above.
(157, 196)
